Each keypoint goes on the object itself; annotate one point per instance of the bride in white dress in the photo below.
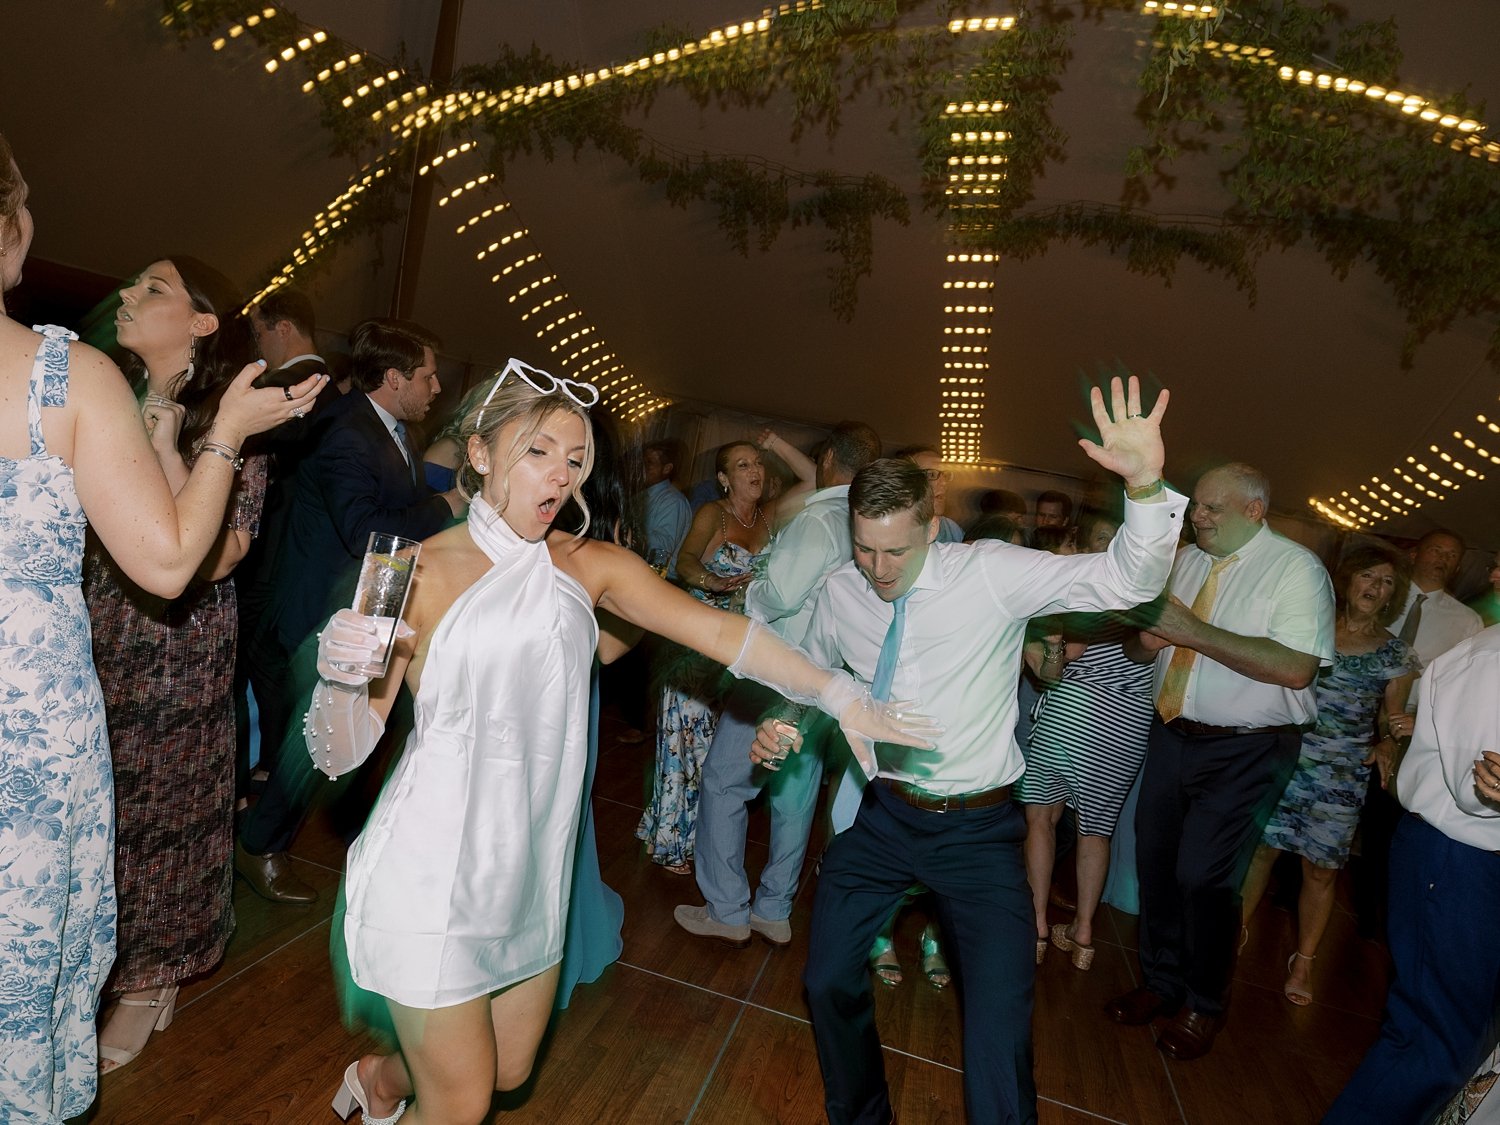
(458, 887)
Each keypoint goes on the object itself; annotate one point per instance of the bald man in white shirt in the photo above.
(1237, 647)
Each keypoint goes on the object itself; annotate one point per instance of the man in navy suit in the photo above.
(362, 475)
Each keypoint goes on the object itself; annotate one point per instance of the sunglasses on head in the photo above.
(543, 382)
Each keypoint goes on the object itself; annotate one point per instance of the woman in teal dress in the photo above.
(595, 912)
(1365, 690)
(716, 563)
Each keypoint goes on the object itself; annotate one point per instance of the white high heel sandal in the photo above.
(166, 1001)
(352, 1095)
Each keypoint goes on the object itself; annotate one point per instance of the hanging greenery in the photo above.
(1358, 180)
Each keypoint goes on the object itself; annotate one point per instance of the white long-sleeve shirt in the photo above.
(1458, 716)
(965, 625)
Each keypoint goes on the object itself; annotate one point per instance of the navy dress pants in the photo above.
(1440, 1012)
(971, 860)
(1203, 805)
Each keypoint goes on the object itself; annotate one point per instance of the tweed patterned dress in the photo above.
(167, 669)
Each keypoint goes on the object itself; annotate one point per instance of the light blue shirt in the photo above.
(668, 517)
(816, 542)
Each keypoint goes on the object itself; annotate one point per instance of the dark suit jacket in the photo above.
(353, 481)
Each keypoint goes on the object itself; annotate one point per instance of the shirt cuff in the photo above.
(1155, 518)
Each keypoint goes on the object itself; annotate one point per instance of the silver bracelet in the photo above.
(235, 463)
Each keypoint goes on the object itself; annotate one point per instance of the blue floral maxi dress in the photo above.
(692, 693)
(57, 896)
(1320, 806)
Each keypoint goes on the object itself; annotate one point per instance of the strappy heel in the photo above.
(1298, 995)
(1082, 955)
(166, 1003)
(887, 972)
(933, 963)
(352, 1096)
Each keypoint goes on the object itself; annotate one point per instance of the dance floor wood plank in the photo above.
(690, 1031)
(1085, 1060)
(769, 1073)
(633, 1049)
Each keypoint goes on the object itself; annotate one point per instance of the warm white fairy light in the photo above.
(1469, 131)
(1181, 11)
(982, 23)
(441, 158)
(501, 242)
(468, 104)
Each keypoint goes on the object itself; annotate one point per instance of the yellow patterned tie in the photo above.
(1174, 683)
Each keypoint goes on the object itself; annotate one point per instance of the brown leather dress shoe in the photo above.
(270, 876)
(1190, 1036)
(1139, 1006)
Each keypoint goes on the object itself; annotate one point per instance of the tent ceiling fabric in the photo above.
(136, 146)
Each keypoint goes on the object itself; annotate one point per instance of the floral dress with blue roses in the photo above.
(57, 896)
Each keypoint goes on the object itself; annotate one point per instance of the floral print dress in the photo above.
(57, 895)
(1320, 806)
(692, 694)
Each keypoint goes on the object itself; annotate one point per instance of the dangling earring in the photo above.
(187, 375)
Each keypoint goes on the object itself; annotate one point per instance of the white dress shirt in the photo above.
(965, 625)
(389, 420)
(1458, 715)
(1445, 622)
(1275, 589)
(815, 542)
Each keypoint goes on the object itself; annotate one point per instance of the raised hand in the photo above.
(1129, 441)
(246, 409)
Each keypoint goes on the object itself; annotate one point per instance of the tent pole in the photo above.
(419, 200)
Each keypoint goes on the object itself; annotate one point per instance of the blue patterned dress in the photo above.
(57, 895)
(692, 694)
(1320, 806)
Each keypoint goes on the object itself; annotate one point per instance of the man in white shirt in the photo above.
(815, 542)
(1237, 647)
(1432, 622)
(943, 625)
(1445, 885)
(1441, 620)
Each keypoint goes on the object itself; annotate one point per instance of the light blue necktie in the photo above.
(890, 650)
(851, 786)
(406, 449)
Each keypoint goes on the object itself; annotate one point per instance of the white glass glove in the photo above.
(340, 728)
(767, 659)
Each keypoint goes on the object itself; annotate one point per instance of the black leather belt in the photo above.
(1195, 729)
(938, 802)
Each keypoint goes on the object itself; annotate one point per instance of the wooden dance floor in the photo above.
(685, 1030)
